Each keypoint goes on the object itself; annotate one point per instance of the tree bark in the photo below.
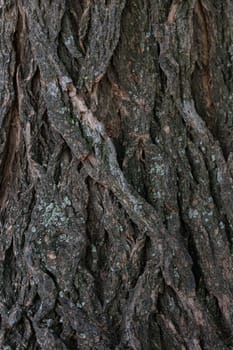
(116, 165)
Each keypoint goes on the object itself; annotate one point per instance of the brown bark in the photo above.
(116, 167)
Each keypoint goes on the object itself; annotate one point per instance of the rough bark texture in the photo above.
(116, 164)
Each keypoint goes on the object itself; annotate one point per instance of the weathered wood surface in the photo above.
(116, 165)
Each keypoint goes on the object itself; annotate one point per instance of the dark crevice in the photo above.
(211, 303)
(196, 268)
(193, 168)
(31, 337)
(8, 157)
(154, 333)
(9, 272)
(52, 276)
(120, 151)
(56, 164)
(142, 262)
(162, 339)
(28, 214)
(228, 231)
(35, 304)
(100, 247)
(162, 78)
(35, 90)
(10, 148)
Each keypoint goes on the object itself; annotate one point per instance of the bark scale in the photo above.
(116, 167)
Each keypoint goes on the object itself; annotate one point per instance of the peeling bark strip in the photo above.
(116, 174)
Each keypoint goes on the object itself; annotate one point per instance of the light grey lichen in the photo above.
(219, 176)
(213, 158)
(193, 213)
(54, 214)
(53, 89)
(221, 225)
(67, 201)
(64, 80)
(230, 50)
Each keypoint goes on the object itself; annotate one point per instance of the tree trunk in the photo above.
(116, 167)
